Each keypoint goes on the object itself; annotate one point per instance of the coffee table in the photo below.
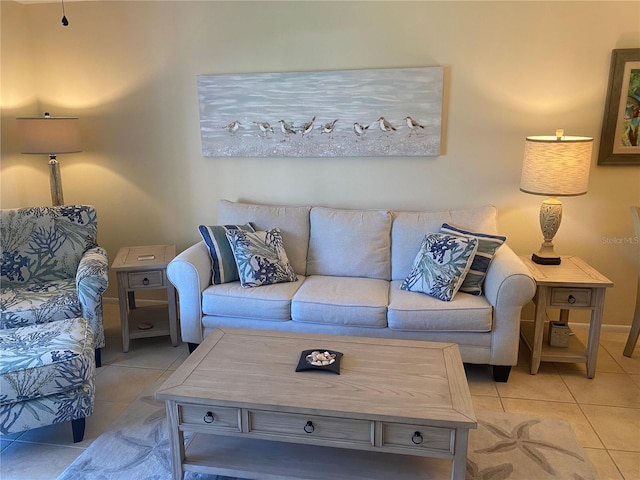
(398, 409)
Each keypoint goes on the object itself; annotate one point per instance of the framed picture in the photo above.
(349, 113)
(620, 139)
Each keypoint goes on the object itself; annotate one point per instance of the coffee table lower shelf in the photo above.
(255, 459)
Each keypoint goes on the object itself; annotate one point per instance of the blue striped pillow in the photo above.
(223, 263)
(487, 246)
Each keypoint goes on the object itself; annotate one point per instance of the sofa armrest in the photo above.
(190, 272)
(92, 280)
(508, 287)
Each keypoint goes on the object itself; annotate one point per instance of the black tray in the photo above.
(303, 365)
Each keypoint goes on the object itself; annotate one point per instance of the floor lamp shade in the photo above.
(554, 167)
(50, 136)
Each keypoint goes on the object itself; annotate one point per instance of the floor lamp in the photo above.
(50, 136)
(554, 166)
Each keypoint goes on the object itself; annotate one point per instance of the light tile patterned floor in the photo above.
(604, 412)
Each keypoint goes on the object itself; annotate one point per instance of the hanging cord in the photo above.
(65, 22)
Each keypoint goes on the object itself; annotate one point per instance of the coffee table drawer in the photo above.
(210, 417)
(416, 437)
(311, 427)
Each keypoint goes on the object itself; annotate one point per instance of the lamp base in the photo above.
(541, 260)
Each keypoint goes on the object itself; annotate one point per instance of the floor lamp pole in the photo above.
(55, 180)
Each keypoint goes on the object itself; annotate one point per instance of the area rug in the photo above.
(504, 446)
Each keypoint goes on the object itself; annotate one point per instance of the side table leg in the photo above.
(594, 332)
(173, 312)
(538, 329)
(123, 299)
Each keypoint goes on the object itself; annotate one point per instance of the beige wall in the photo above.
(128, 69)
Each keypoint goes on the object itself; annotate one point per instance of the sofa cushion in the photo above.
(293, 223)
(41, 360)
(269, 302)
(409, 228)
(38, 303)
(350, 243)
(441, 265)
(260, 257)
(410, 311)
(223, 264)
(348, 301)
(487, 246)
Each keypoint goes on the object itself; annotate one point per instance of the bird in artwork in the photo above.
(286, 129)
(359, 129)
(385, 126)
(264, 127)
(328, 127)
(232, 127)
(307, 127)
(413, 125)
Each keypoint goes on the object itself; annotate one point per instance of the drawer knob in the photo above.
(417, 438)
(571, 299)
(309, 428)
(209, 418)
(145, 281)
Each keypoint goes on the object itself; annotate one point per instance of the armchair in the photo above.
(52, 268)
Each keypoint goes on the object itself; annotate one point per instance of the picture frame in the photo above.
(620, 138)
(341, 113)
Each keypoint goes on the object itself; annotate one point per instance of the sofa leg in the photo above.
(77, 426)
(98, 357)
(192, 347)
(501, 372)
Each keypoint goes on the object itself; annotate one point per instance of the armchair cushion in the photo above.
(52, 268)
(47, 375)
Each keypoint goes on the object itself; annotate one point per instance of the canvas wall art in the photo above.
(381, 112)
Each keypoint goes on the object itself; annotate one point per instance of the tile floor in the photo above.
(604, 412)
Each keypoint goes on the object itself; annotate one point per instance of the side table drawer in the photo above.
(150, 279)
(311, 427)
(413, 438)
(571, 297)
(210, 417)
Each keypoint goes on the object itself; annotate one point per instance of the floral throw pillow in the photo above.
(260, 257)
(441, 265)
(487, 246)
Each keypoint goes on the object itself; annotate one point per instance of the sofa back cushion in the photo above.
(350, 243)
(44, 244)
(409, 229)
(293, 223)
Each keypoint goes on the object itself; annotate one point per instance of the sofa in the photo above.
(52, 268)
(351, 276)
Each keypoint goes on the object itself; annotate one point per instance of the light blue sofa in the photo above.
(350, 265)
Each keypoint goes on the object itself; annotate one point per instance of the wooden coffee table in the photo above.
(399, 409)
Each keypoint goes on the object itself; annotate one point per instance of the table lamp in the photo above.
(50, 136)
(554, 166)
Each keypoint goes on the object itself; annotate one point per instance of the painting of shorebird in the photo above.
(347, 113)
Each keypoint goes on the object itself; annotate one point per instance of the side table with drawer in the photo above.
(572, 285)
(145, 268)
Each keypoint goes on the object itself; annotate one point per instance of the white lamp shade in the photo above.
(49, 135)
(556, 166)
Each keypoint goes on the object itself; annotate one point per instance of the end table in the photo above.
(572, 285)
(145, 268)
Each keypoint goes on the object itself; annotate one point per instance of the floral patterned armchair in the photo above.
(52, 267)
